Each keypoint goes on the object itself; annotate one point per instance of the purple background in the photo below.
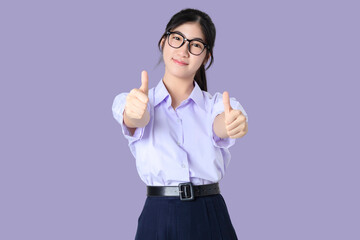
(66, 170)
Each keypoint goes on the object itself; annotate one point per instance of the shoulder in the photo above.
(216, 104)
(212, 98)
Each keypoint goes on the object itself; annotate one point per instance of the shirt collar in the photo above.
(162, 93)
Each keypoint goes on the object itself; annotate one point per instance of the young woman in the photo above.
(179, 135)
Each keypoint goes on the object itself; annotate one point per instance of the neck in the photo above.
(178, 88)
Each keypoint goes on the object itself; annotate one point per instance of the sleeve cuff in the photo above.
(118, 108)
(218, 108)
(220, 142)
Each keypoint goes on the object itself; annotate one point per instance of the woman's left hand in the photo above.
(235, 121)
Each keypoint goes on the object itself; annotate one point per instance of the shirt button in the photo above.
(178, 143)
(183, 165)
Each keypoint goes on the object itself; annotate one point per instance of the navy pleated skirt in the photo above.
(169, 218)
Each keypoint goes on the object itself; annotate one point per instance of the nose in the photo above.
(184, 49)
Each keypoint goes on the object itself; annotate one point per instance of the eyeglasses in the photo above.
(177, 39)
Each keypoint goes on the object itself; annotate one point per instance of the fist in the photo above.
(137, 99)
(235, 121)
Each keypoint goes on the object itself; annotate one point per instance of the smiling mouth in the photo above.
(180, 63)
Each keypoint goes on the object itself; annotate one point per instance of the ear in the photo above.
(162, 42)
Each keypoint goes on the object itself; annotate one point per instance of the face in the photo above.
(190, 30)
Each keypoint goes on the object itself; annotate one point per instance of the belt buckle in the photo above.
(184, 190)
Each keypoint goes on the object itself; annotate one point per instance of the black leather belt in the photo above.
(186, 191)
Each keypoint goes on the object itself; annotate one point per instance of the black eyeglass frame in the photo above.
(185, 39)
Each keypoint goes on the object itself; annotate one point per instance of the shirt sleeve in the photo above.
(118, 108)
(218, 108)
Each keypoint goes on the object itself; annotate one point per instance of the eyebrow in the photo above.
(190, 39)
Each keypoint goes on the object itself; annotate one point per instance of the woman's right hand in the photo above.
(136, 104)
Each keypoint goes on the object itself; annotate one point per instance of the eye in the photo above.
(197, 45)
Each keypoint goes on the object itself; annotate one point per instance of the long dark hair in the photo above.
(209, 31)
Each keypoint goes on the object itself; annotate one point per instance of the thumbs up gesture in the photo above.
(144, 88)
(136, 102)
(235, 122)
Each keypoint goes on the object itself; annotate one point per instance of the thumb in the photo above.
(144, 82)
(226, 101)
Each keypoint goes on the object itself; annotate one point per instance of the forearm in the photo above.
(219, 126)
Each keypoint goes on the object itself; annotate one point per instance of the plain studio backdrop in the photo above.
(66, 170)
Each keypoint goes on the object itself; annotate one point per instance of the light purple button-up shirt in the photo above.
(179, 145)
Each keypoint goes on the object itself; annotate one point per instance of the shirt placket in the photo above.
(180, 139)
